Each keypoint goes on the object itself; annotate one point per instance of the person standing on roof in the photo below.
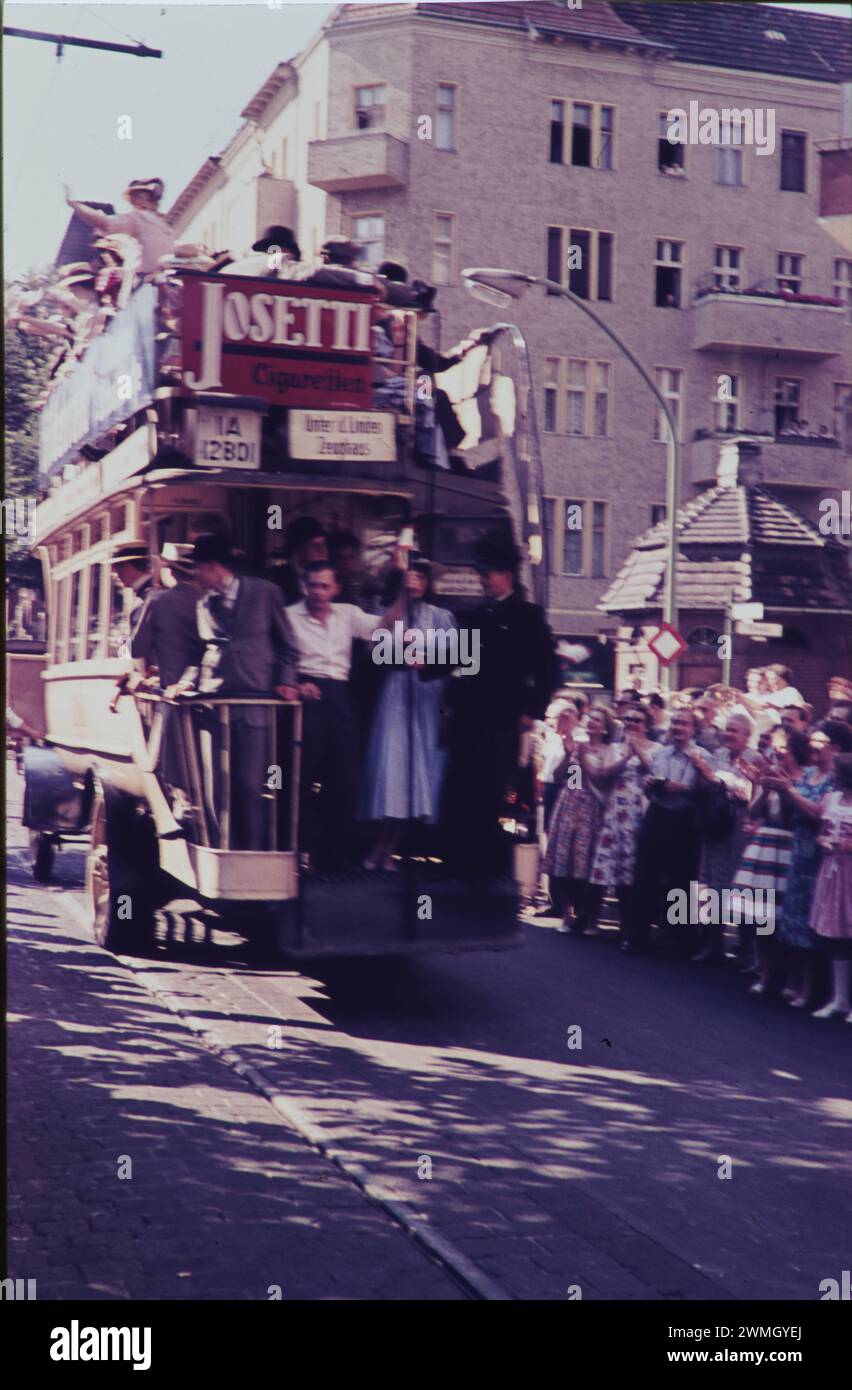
(144, 223)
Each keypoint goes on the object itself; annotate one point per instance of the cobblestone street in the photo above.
(444, 1090)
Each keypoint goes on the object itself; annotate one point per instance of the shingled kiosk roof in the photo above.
(736, 545)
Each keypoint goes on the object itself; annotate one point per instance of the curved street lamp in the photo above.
(511, 285)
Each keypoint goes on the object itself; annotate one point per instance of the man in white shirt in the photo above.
(323, 633)
(782, 692)
(668, 844)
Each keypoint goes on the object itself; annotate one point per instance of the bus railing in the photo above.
(232, 764)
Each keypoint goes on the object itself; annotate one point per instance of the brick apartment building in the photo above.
(503, 134)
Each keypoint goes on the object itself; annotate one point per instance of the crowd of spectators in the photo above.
(721, 817)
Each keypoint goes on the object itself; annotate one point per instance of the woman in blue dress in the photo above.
(404, 766)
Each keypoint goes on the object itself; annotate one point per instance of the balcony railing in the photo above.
(791, 461)
(764, 321)
(365, 159)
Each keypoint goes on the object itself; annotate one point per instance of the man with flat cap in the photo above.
(248, 649)
(491, 709)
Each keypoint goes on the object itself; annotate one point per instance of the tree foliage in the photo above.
(26, 365)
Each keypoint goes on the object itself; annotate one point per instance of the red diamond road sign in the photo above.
(667, 644)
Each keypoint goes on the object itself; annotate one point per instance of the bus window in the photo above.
(76, 616)
(95, 630)
(60, 634)
(116, 626)
(118, 519)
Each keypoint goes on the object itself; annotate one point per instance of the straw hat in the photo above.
(177, 557)
(129, 552)
(153, 186)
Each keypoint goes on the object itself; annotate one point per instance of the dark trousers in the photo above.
(249, 761)
(483, 764)
(329, 762)
(667, 854)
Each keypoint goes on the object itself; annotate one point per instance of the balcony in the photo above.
(365, 159)
(794, 462)
(753, 323)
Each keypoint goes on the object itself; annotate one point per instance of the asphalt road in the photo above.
(695, 1145)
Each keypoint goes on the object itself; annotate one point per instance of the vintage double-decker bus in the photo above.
(234, 405)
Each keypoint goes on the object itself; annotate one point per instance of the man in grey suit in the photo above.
(248, 649)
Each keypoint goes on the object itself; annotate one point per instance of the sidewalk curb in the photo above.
(462, 1269)
(458, 1265)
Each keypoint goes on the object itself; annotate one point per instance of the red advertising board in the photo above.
(291, 344)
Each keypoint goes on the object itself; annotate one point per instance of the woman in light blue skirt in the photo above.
(404, 766)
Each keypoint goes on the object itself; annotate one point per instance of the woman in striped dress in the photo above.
(766, 861)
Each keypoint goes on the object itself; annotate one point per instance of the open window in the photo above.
(668, 274)
(670, 156)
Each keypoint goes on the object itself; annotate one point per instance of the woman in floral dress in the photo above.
(576, 816)
(614, 861)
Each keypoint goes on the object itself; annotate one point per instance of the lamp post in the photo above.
(478, 282)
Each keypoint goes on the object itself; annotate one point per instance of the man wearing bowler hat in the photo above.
(275, 255)
(248, 651)
(491, 709)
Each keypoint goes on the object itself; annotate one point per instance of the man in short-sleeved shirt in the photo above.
(323, 633)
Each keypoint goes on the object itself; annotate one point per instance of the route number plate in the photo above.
(227, 438)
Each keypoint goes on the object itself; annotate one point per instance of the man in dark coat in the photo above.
(248, 650)
(492, 708)
(167, 641)
(167, 635)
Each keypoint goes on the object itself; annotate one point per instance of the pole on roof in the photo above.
(138, 50)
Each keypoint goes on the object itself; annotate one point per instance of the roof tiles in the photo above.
(735, 35)
(735, 544)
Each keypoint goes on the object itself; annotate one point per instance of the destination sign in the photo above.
(342, 434)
